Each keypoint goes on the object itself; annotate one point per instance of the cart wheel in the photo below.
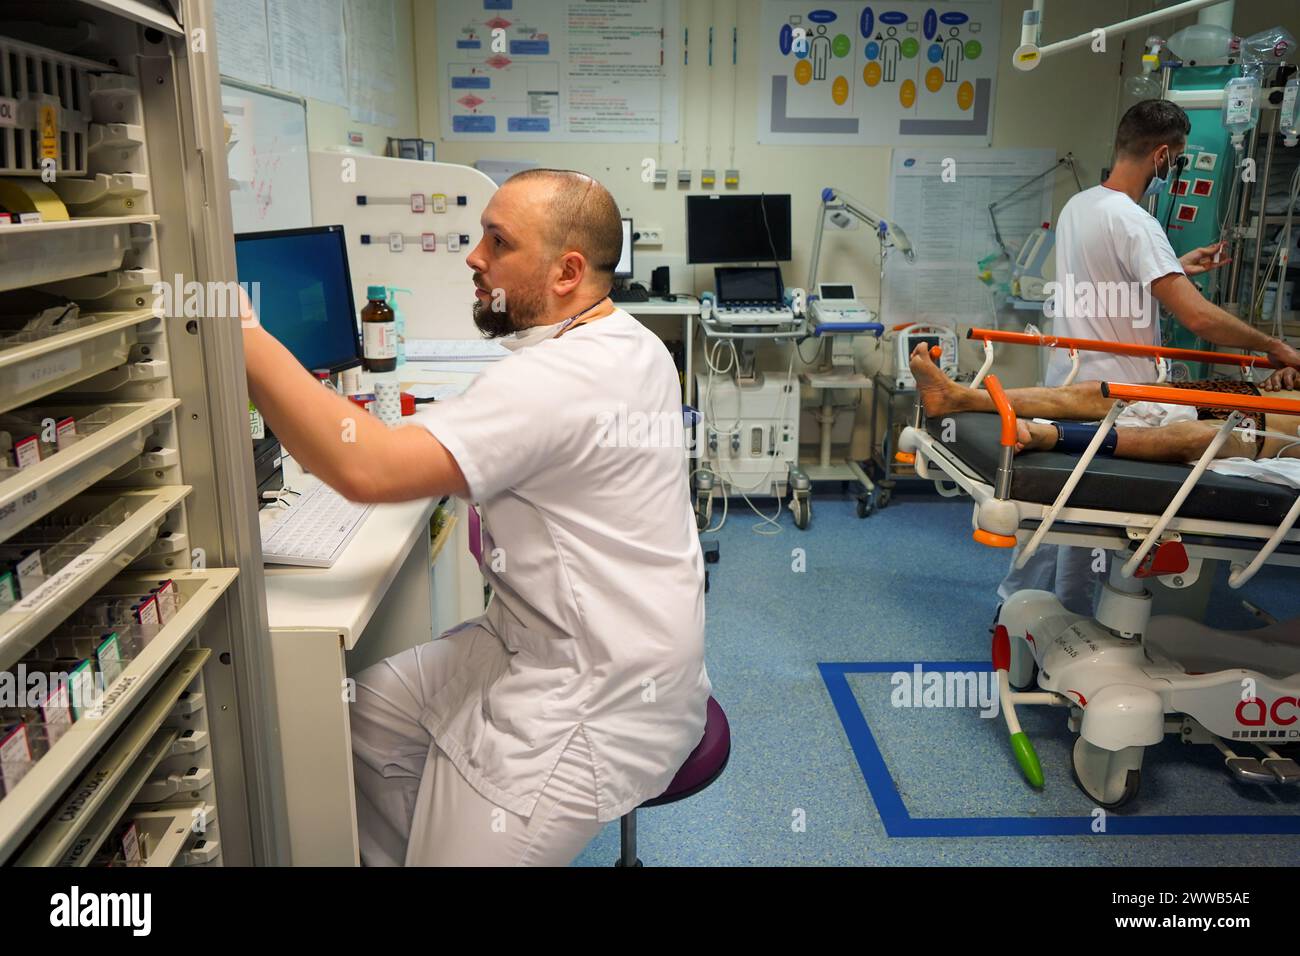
(1022, 672)
(1110, 778)
(703, 511)
(801, 508)
(1030, 684)
(865, 508)
(882, 497)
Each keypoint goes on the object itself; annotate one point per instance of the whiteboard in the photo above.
(266, 157)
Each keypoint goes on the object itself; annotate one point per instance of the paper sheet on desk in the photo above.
(439, 393)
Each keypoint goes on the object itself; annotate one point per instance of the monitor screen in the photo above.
(738, 228)
(624, 268)
(303, 292)
(748, 285)
(836, 291)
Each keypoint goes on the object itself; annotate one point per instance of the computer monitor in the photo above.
(738, 228)
(304, 292)
(752, 284)
(624, 268)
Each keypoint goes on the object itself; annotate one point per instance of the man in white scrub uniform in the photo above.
(578, 695)
(1112, 259)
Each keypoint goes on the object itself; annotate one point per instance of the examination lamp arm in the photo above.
(890, 233)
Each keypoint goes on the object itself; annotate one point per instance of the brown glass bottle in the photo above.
(378, 332)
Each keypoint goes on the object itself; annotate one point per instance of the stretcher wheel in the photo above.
(1022, 672)
(801, 509)
(865, 508)
(882, 497)
(703, 510)
(1028, 685)
(1110, 778)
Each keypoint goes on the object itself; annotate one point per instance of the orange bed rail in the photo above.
(1119, 348)
(1201, 399)
(1005, 412)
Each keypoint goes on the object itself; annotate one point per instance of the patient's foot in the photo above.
(939, 394)
(1034, 436)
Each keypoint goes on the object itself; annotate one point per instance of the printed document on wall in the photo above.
(940, 198)
(307, 49)
(604, 71)
(372, 60)
(910, 72)
(243, 47)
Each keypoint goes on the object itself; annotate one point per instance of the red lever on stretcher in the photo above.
(1167, 558)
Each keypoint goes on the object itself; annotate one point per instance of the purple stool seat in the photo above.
(702, 767)
(705, 763)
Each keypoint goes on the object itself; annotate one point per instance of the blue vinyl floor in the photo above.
(825, 771)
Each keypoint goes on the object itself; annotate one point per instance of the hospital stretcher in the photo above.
(1126, 676)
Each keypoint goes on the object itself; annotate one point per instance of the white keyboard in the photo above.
(313, 531)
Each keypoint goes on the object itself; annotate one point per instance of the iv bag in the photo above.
(1271, 46)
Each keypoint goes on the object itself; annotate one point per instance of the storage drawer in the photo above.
(87, 564)
(126, 699)
(39, 252)
(32, 366)
(34, 491)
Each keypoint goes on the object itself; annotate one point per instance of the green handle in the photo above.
(1028, 759)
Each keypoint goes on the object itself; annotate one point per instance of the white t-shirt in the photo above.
(572, 448)
(1108, 252)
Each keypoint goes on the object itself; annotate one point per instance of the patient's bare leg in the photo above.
(1181, 441)
(1283, 425)
(1081, 402)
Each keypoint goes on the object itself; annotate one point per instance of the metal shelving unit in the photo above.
(155, 481)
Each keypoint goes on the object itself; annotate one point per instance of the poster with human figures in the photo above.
(912, 72)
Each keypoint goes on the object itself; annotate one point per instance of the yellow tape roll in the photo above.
(31, 195)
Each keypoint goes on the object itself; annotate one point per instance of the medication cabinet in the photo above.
(137, 719)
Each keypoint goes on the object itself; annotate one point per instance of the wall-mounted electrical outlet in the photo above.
(649, 237)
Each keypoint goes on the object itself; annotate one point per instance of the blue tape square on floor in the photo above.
(898, 822)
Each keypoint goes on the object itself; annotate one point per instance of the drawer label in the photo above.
(48, 367)
(74, 569)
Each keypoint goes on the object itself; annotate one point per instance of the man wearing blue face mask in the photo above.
(1113, 262)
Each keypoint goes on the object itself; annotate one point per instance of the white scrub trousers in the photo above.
(413, 806)
(1063, 569)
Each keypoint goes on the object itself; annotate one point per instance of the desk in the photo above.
(386, 593)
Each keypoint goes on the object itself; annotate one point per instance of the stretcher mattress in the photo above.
(1112, 484)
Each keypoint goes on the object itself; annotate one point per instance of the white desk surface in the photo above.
(683, 306)
(344, 597)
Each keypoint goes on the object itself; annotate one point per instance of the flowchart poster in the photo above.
(595, 71)
(866, 74)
